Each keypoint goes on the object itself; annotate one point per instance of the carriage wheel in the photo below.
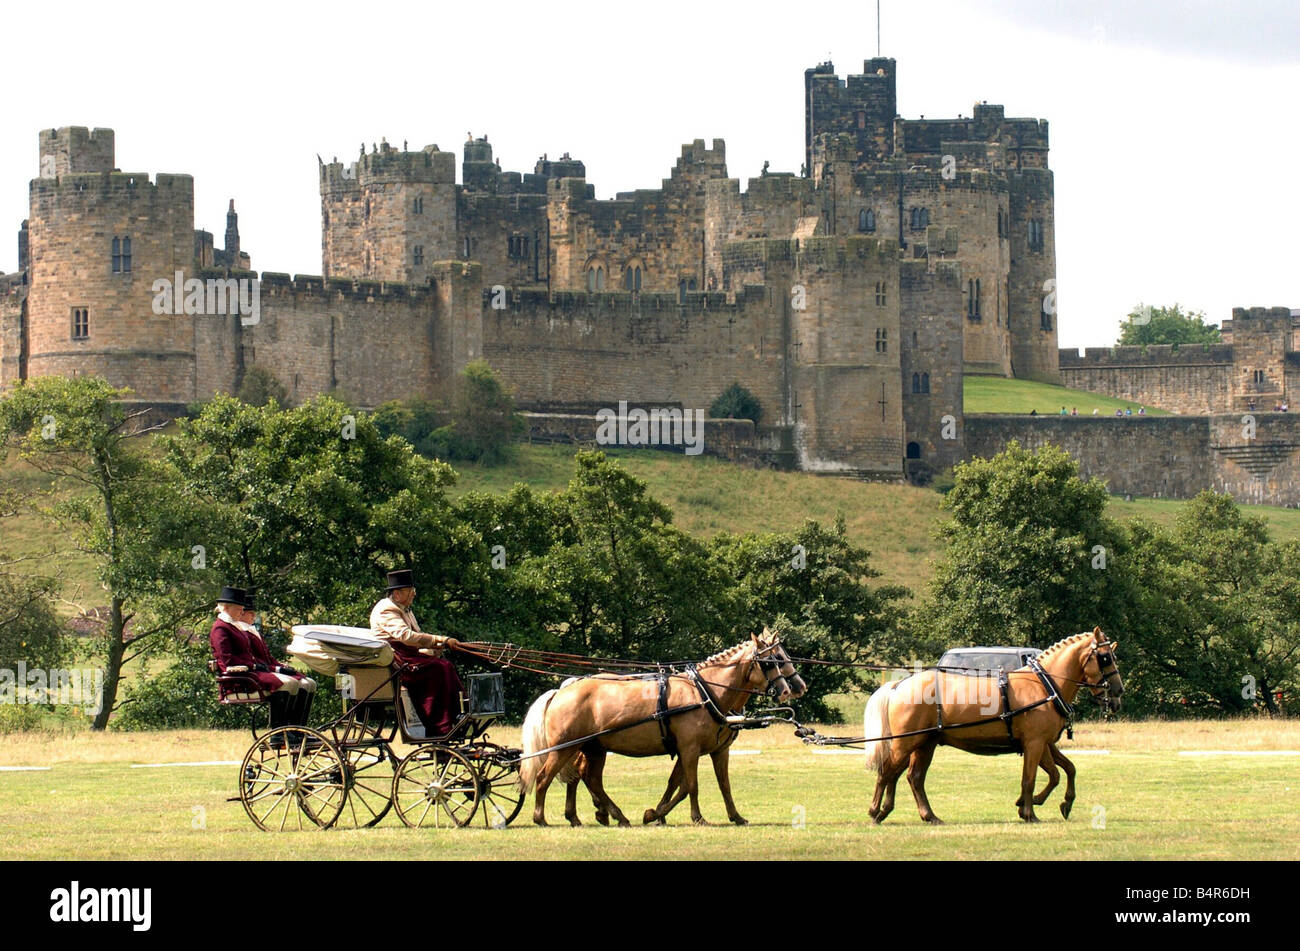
(292, 771)
(369, 779)
(500, 798)
(436, 786)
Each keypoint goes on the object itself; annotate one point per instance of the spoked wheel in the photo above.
(369, 779)
(437, 787)
(289, 773)
(500, 798)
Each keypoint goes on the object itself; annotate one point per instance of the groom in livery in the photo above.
(430, 680)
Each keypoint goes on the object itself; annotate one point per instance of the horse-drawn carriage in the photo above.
(347, 773)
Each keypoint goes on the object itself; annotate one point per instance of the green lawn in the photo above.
(995, 394)
(1140, 800)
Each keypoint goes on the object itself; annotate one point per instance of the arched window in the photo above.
(925, 383)
(914, 450)
(920, 219)
(632, 276)
(866, 221)
(595, 277)
(882, 341)
(916, 383)
(880, 293)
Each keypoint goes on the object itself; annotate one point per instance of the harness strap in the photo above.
(665, 729)
(938, 697)
(707, 696)
(1063, 708)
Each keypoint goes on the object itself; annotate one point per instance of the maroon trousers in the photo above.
(434, 687)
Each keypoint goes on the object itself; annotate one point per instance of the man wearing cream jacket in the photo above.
(430, 680)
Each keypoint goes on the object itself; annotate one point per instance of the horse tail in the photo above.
(534, 739)
(875, 723)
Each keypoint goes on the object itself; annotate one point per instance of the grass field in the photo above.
(1139, 800)
(995, 394)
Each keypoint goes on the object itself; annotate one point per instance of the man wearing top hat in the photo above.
(431, 681)
(239, 648)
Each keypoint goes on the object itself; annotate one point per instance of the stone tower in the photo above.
(389, 215)
(97, 240)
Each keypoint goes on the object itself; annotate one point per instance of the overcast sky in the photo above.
(1173, 125)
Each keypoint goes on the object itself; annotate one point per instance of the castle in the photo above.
(849, 299)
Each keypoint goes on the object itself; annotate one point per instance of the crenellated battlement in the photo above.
(389, 165)
(75, 150)
(1154, 355)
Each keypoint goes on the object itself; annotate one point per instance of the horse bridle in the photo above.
(771, 668)
(1105, 657)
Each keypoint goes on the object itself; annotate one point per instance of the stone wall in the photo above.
(1186, 380)
(1163, 456)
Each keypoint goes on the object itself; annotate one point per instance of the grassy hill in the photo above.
(995, 394)
(707, 496)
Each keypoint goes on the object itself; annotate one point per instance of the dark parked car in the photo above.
(987, 658)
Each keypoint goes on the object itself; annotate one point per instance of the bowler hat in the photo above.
(400, 579)
(231, 595)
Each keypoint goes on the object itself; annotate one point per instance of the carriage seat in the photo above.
(236, 685)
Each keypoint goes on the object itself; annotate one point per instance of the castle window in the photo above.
(596, 277)
(419, 254)
(973, 299)
(467, 247)
(914, 450)
(916, 383)
(882, 341)
(518, 247)
(925, 383)
(632, 277)
(1036, 234)
(914, 338)
(866, 221)
(417, 206)
(1002, 223)
(1259, 377)
(80, 323)
(1044, 320)
(920, 219)
(121, 255)
(880, 293)
(367, 211)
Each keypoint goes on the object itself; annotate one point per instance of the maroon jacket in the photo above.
(233, 648)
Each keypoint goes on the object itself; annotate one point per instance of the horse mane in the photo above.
(1062, 644)
(727, 654)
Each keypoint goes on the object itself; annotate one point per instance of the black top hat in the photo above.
(250, 599)
(231, 595)
(400, 579)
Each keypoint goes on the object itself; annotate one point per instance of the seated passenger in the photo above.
(238, 648)
(431, 682)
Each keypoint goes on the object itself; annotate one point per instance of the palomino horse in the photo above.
(635, 716)
(932, 705)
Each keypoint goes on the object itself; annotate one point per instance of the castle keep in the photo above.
(849, 298)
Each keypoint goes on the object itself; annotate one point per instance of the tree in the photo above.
(483, 418)
(1157, 325)
(1216, 622)
(736, 402)
(110, 494)
(1032, 556)
(260, 386)
(30, 630)
(811, 586)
